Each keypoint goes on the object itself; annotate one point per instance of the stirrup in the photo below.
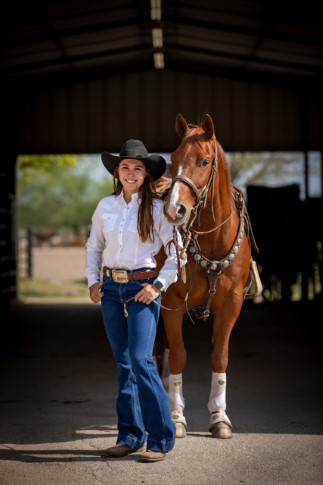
(255, 282)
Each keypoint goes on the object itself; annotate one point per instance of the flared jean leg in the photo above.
(131, 430)
(142, 403)
(153, 398)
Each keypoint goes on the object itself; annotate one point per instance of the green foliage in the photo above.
(45, 163)
(54, 192)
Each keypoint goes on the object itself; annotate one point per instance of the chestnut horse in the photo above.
(216, 235)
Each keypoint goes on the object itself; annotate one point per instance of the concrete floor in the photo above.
(58, 389)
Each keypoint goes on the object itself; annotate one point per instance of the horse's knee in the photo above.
(219, 361)
(177, 360)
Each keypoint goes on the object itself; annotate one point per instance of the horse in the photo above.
(216, 240)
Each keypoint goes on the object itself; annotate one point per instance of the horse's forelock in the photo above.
(197, 134)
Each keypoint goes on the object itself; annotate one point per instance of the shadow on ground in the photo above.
(58, 380)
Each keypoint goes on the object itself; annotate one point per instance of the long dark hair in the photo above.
(146, 195)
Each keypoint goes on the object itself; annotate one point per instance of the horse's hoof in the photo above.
(180, 430)
(221, 431)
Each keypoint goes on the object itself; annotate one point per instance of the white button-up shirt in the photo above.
(114, 240)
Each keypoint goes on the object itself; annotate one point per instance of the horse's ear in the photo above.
(181, 126)
(207, 125)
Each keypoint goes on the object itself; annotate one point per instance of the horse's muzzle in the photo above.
(176, 214)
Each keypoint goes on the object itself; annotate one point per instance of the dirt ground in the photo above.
(59, 264)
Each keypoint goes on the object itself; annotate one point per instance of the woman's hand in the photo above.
(147, 294)
(95, 293)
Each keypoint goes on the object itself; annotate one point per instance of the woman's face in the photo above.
(132, 174)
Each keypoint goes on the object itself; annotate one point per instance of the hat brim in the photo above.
(156, 164)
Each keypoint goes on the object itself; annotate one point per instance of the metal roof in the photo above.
(268, 41)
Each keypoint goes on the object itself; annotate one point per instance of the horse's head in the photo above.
(192, 165)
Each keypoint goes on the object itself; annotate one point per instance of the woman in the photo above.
(128, 230)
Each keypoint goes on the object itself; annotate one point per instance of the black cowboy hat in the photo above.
(136, 150)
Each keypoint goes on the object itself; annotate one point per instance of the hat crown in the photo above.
(133, 148)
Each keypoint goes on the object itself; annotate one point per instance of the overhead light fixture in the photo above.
(157, 35)
(155, 9)
(159, 62)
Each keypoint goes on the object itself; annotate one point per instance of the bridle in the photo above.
(199, 195)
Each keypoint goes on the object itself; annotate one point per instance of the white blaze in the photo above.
(173, 201)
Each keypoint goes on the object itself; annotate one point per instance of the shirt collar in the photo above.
(134, 198)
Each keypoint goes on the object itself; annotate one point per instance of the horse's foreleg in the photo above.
(176, 362)
(173, 384)
(177, 404)
(219, 425)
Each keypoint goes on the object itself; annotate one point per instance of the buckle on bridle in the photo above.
(120, 276)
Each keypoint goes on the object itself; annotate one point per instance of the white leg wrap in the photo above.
(176, 398)
(165, 370)
(217, 400)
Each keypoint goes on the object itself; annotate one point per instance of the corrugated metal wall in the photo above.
(91, 116)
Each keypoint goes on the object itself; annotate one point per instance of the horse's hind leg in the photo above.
(165, 371)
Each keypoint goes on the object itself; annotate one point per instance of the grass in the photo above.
(32, 288)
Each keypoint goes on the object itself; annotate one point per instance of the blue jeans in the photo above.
(142, 403)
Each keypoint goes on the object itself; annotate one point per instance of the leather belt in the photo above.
(124, 276)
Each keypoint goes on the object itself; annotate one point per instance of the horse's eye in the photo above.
(204, 163)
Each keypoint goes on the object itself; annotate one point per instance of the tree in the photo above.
(266, 168)
(55, 193)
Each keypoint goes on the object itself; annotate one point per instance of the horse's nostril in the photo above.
(174, 212)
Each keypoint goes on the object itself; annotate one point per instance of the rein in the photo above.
(216, 227)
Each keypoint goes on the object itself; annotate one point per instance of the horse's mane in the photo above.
(224, 164)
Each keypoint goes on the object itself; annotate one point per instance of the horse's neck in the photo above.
(218, 217)
(222, 186)
(220, 199)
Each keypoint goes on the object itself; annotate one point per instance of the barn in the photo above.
(77, 77)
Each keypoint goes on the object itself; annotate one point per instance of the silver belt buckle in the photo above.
(120, 276)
